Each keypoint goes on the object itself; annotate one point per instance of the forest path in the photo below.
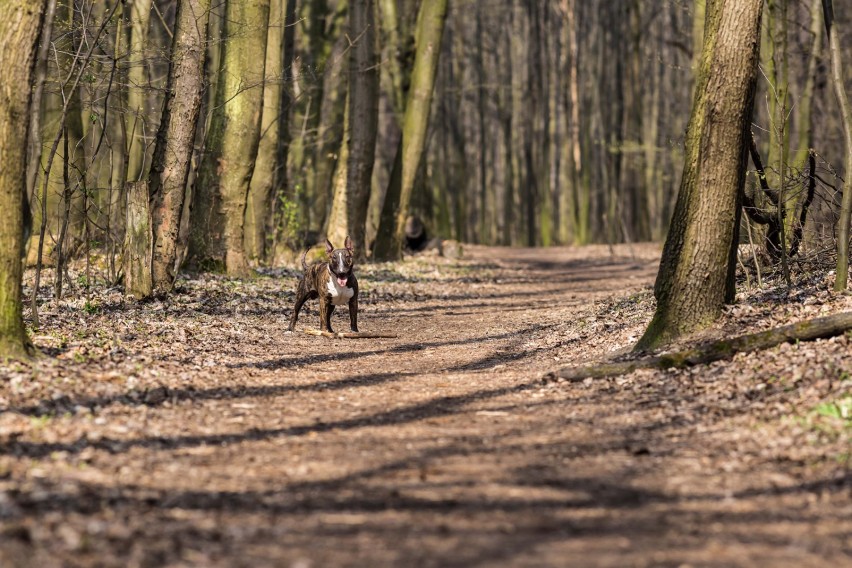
(238, 444)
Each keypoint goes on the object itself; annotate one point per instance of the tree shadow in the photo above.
(442, 406)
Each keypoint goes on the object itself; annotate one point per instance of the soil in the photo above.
(196, 431)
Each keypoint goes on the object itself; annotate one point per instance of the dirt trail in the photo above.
(237, 444)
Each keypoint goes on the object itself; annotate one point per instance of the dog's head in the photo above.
(340, 261)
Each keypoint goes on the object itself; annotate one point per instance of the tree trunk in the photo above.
(277, 220)
(329, 134)
(138, 85)
(363, 124)
(34, 151)
(260, 203)
(232, 141)
(695, 271)
(846, 123)
(430, 29)
(392, 42)
(137, 241)
(176, 137)
(805, 104)
(20, 24)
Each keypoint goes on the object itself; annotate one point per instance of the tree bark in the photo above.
(176, 137)
(138, 85)
(219, 201)
(694, 280)
(20, 25)
(834, 49)
(138, 241)
(430, 29)
(35, 143)
(363, 124)
(260, 204)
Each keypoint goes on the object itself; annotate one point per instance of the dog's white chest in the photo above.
(340, 295)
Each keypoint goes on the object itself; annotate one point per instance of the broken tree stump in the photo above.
(807, 330)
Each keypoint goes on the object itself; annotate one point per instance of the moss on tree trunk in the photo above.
(430, 30)
(217, 239)
(694, 280)
(20, 23)
(173, 152)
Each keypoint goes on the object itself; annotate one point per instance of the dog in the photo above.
(333, 282)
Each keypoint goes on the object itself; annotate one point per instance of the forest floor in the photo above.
(196, 431)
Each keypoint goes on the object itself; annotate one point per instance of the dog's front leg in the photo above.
(353, 313)
(326, 309)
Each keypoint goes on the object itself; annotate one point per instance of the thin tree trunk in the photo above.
(805, 105)
(263, 181)
(138, 239)
(417, 108)
(392, 42)
(275, 221)
(834, 49)
(175, 140)
(35, 142)
(329, 134)
(139, 85)
(363, 124)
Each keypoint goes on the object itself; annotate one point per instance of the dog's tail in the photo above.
(305, 264)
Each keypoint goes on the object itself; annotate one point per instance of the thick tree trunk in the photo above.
(694, 278)
(417, 108)
(20, 24)
(219, 201)
(173, 152)
(834, 49)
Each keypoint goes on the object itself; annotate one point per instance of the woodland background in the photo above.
(552, 122)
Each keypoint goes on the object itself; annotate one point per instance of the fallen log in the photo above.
(807, 330)
(351, 334)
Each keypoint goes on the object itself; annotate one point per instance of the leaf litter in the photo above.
(193, 430)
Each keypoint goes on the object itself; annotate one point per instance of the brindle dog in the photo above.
(333, 282)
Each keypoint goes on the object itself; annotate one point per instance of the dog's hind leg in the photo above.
(353, 313)
(300, 300)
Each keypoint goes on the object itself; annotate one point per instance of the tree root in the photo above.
(808, 330)
(351, 334)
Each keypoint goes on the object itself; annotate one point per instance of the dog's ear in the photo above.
(348, 244)
(328, 247)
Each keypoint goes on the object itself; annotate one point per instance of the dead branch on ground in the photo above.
(807, 330)
(351, 334)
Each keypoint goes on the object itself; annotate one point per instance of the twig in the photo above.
(351, 334)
